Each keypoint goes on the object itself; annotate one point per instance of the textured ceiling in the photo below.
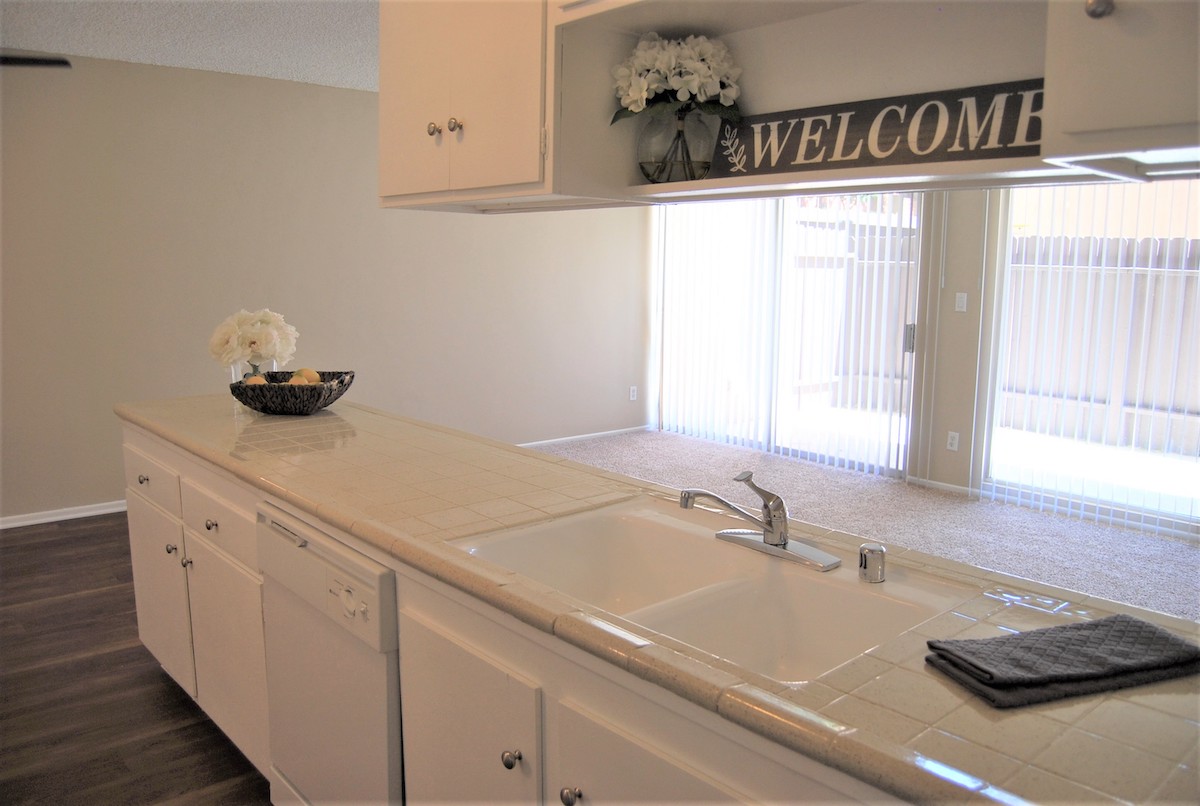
(328, 42)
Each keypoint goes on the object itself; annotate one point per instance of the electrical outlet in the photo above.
(952, 441)
(633, 393)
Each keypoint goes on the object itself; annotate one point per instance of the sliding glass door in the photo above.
(1096, 405)
(785, 325)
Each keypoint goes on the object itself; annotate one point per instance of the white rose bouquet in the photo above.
(675, 76)
(254, 338)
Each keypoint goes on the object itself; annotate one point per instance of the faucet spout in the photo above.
(687, 499)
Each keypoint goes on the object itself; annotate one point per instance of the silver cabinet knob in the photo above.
(1096, 9)
(433, 129)
(454, 125)
(185, 561)
(172, 548)
(569, 795)
(143, 479)
(210, 525)
(509, 758)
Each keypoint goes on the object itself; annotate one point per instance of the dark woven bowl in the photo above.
(276, 396)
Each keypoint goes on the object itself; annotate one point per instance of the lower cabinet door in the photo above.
(227, 631)
(592, 762)
(160, 587)
(471, 727)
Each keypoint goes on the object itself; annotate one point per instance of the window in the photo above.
(783, 325)
(1096, 399)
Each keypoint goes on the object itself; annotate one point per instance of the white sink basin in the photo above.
(793, 624)
(661, 566)
(621, 557)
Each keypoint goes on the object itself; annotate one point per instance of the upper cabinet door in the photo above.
(414, 49)
(1127, 81)
(461, 94)
(497, 93)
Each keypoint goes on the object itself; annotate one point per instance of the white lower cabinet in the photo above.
(227, 639)
(472, 728)
(473, 732)
(199, 606)
(594, 761)
(160, 589)
(496, 711)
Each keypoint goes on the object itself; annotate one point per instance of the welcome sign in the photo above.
(993, 121)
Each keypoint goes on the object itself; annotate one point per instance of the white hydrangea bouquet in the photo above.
(677, 76)
(254, 339)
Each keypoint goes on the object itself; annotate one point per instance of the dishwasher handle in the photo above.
(289, 534)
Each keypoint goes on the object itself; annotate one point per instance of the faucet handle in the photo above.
(747, 478)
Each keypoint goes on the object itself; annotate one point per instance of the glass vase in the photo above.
(241, 370)
(673, 148)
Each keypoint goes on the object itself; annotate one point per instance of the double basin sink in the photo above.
(661, 567)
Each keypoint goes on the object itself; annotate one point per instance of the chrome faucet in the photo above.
(772, 534)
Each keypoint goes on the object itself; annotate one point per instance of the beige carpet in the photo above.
(1159, 573)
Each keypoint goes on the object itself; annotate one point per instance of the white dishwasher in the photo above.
(333, 689)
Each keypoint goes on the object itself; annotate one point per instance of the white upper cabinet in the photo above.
(1126, 82)
(461, 91)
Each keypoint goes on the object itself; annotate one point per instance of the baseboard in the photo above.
(69, 513)
(633, 430)
(942, 486)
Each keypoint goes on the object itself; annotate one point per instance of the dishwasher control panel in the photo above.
(350, 588)
(350, 599)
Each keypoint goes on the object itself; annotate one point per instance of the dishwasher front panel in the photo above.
(333, 685)
(333, 706)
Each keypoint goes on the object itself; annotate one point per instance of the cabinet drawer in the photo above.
(154, 480)
(222, 523)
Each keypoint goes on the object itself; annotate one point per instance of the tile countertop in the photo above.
(406, 487)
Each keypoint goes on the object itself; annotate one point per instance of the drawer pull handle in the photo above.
(143, 479)
(172, 548)
(509, 758)
(433, 129)
(569, 795)
(210, 525)
(455, 125)
(185, 562)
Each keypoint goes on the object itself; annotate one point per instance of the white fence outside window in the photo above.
(1097, 394)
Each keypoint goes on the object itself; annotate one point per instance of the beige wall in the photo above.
(142, 205)
(958, 226)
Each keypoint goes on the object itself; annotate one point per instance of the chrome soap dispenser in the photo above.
(871, 558)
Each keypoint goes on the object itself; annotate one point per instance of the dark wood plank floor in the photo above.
(86, 713)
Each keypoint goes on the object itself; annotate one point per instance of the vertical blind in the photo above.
(783, 324)
(1097, 395)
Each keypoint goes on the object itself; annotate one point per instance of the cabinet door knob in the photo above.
(569, 795)
(143, 479)
(210, 524)
(185, 561)
(509, 758)
(1097, 9)
(172, 548)
(454, 125)
(433, 129)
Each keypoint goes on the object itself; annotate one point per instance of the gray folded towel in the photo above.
(1065, 661)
